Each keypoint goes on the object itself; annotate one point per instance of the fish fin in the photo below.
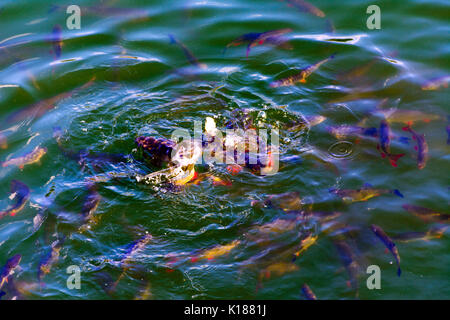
(303, 80)
(397, 193)
(393, 158)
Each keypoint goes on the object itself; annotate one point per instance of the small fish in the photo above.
(287, 201)
(407, 116)
(365, 193)
(301, 76)
(305, 7)
(45, 265)
(388, 243)
(3, 141)
(259, 38)
(304, 245)
(38, 109)
(385, 144)
(349, 261)
(436, 83)
(30, 158)
(344, 131)
(307, 292)
(278, 269)
(22, 193)
(427, 214)
(432, 233)
(421, 148)
(356, 74)
(133, 249)
(90, 205)
(56, 40)
(8, 269)
(146, 293)
(189, 55)
(216, 251)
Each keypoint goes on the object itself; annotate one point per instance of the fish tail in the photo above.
(393, 158)
(397, 193)
(399, 271)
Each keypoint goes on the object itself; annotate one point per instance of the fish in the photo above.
(427, 214)
(301, 76)
(47, 262)
(314, 120)
(348, 258)
(258, 38)
(216, 251)
(421, 148)
(90, 205)
(306, 7)
(38, 109)
(307, 292)
(304, 245)
(437, 83)
(22, 193)
(407, 116)
(356, 74)
(363, 194)
(384, 145)
(344, 131)
(34, 156)
(388, 243)
(103, 10)
(133, 249)
(287, 201)
(278, 269)
(8, 269)
(432, 233)
(146, 293)
(189, 55)
(56, 40)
